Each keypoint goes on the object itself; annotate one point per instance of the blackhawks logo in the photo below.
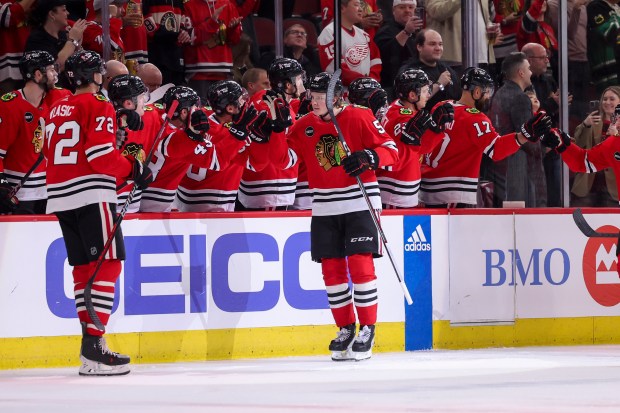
(37, 139)
(8, 96)
(329, 152)
(472, 110)
(405, 111)
(134, 150)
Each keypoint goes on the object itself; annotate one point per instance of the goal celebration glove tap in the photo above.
(442, 115)
(556, 139)
(280, 111)
(360, 161)
(536, 127)
(415, 128)
(239, 127)
(260, 128)
(129, 119)
(198, 124)
(142, 175)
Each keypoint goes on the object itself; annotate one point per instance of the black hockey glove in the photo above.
(142, 175)
(442, 115)
(556, 139)
(377, 100)
(415, 128)
(360, 161)
(305, 106)
(8, 203)
(198, 125)
(280, 111)
(239, 127)
(260, 129)
(536, 127)
(129, 119)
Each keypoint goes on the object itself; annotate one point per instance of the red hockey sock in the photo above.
(362, 270)
(338, 291)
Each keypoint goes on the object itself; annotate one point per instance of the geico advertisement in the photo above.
(504, 267)
(182, 274)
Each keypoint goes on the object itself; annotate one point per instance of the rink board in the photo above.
(227, 286)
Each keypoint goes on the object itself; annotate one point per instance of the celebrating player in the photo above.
(83, 164)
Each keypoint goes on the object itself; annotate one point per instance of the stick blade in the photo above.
(586, 229)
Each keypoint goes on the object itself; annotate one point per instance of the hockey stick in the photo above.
(173, 108)
(586, 229)
(22, 181)
(88, 299)
(330, 109)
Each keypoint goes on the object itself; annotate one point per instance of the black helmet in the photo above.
(411, 80)
(186, 97)
(283, 70)
(361, 89)
(222, 94)
(33, 61)
(320, 83)
(124, 87)
(81, 66)
(474, 76)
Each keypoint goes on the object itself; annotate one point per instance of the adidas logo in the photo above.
(417, 241)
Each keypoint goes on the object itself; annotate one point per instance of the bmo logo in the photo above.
(600, 269)
(167, 274)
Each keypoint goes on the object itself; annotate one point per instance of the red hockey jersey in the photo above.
(54, 95)
(93, 38)
(134, 38)
(450, 173)
(21, 143)
(13, 35)
(400, 182)
(202, 190)
(82, 159)
(316, 143)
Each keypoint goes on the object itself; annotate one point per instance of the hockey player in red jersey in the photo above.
(22, 127)
(416, 132)
(274, 188)
(450, 173)
(366, 91)
(344, 238)
(186, 142)
(134, 136)
(202, 190)
(83, 164)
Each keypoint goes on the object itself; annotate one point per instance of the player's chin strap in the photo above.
(373, 213)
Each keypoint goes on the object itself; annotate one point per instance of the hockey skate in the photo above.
(341, 345)
(362, 346)
(98, 360)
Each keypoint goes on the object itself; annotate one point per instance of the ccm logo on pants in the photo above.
(361, 239)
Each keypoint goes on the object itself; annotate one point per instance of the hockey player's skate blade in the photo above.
(362, 355)
(346, 355)
(92, 368)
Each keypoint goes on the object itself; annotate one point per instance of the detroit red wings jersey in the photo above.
(400, 182)
(202, 190)
(132, 142)
(450, 173)
(360, 55)
(316, 143)
(272, 186)
(21, 143)
(173, 157)
(82, 159)
(604, 155)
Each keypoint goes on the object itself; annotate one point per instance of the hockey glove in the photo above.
(239, 127)
(360, 161)
(377, 100)
(8, 203)
(260, 129)
(556, 139)
(536, 127)
(142, 175)
(305, 106)
(129, 119)
(280, 111)
(198, 125)
(415, 128)
(442, 115)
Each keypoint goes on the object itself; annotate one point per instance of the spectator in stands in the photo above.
(508, 14)
(151, 76)
(360, 56)
(113, 69)
(444, 16)
(372, 16)
(13, 35)
(395, 42)
(241, 57)
(49, 31)
(578, 67)
(534, 29)
(603, 28)
(208, 56)
(93, 34)
(166, 35)
(296, 47)
(510, 108)
(133, 32)
(445, 81)
(255, 80)
(596, 189)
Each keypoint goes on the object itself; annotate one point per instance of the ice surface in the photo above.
(576, 379)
